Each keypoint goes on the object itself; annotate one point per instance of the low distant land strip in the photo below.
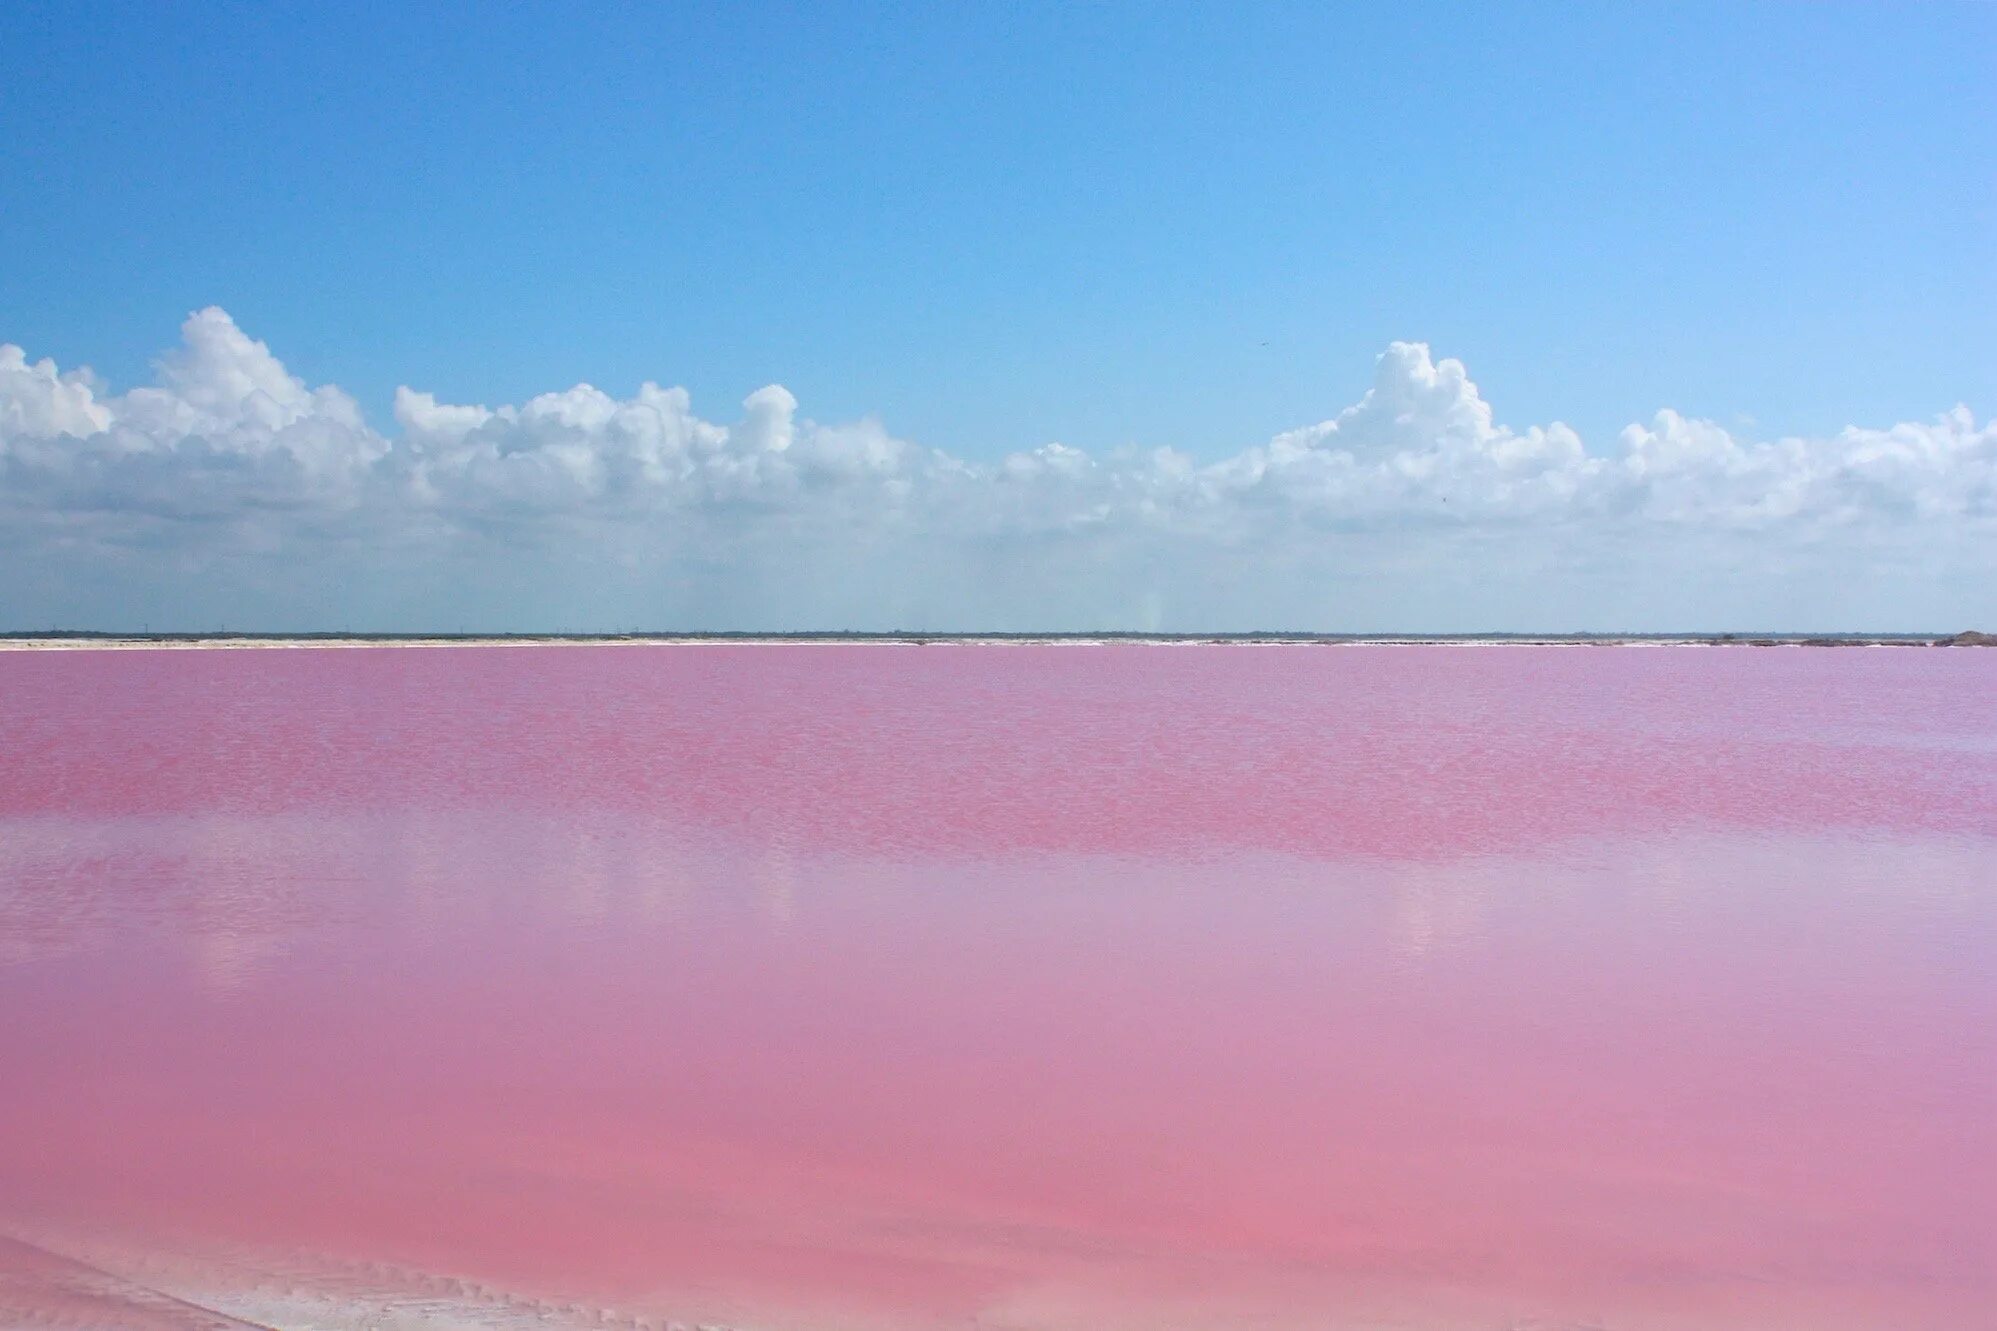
(89, 638)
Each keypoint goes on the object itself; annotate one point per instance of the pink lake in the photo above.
(1015, 988)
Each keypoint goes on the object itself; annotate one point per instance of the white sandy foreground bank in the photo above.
(75, 1282)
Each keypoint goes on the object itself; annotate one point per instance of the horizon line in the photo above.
(1077, 636)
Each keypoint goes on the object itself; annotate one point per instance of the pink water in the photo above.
(1066, 988)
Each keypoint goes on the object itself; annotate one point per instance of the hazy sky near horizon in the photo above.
(1451, 317)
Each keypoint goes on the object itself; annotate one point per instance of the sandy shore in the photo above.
(77, 1282)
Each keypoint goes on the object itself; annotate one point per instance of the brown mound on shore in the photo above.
(1969, 638)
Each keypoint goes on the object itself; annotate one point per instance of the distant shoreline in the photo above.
(59, 640)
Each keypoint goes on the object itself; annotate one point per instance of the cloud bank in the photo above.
(230, 492)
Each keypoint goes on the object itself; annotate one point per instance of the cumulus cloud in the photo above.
(230, 471)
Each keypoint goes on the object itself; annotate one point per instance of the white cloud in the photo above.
(774, 518)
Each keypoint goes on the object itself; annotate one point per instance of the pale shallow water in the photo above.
(1023, 987)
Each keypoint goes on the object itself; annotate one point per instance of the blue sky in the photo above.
(999, 227)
